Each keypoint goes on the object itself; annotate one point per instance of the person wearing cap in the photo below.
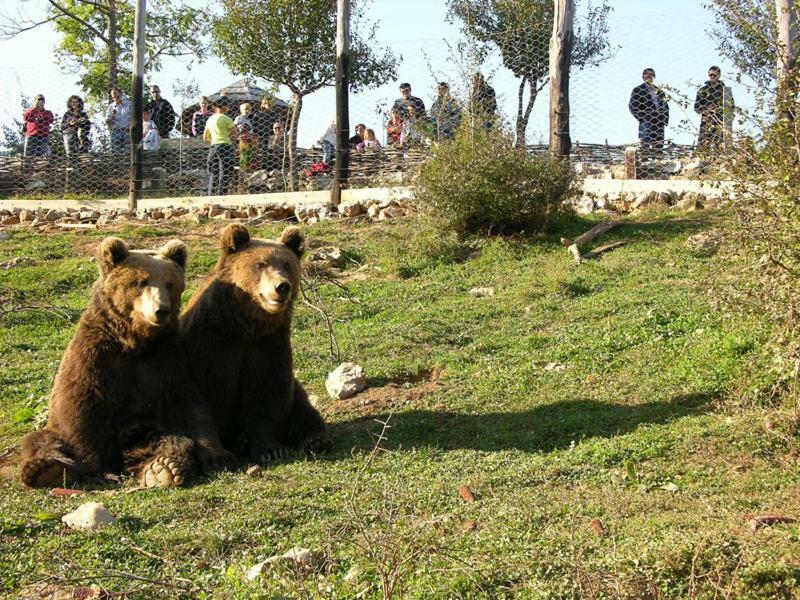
(118, 119)
(446, 113)
(221, 132)
(37, 121)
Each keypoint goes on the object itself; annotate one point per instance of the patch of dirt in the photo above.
(401, 391)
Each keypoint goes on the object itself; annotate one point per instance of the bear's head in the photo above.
(142, 287)
(267, 272)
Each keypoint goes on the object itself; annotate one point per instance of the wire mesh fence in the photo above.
(654, 93)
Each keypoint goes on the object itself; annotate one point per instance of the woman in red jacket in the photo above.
(37, 129)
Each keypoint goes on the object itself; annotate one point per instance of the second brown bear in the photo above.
(236, 330)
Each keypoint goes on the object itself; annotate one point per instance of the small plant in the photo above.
(479, 183)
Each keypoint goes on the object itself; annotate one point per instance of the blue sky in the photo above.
(669, 36)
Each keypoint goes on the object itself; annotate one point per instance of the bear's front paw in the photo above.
(215, 459)
(270, 454)
(163, 471)
(316, 443)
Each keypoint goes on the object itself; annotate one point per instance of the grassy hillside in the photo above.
(600, 415)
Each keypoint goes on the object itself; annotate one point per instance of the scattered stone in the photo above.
(390, 212)
(466, 494)
(26, 216)
(65, 492)
(90, 516)
(702, 244)
(157, 215)
(18, 261)
(373, 211)
(88, 215)
(254, 471)
(585, 206)
(303, 213)
(549, 366)
(345, 381)
(689, 203)
(328, 255)
(298, 558)
(350, 208)
(10, 220)
(481, 292)
(596, 525)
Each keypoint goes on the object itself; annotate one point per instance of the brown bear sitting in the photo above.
(236, 331)
(122, 399)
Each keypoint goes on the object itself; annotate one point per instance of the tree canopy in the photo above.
(747, 34)
(521, 30)
(293, 43)
(96, 36)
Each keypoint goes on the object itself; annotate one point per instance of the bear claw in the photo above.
(49, 472)
(163, 471)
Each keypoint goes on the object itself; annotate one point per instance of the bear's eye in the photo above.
(142, 283)
(170, 285)
(287, 266)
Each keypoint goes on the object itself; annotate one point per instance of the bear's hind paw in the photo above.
(49, 472)
(163, 471)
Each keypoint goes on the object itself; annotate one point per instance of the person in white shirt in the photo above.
(151, 139)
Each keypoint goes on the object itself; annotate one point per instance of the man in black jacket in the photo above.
(161, 112)
(649, 106)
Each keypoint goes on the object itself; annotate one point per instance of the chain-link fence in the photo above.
(644, 88)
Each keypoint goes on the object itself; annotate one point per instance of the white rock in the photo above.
(585, 206)
(481, 292)
(330, 255)
(297, 557)
(373, 211)
(90, 516)
(345, 381)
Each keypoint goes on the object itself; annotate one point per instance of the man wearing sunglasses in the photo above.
(714, 104)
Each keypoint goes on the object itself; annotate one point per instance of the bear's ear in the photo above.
(293, 238)
(233, 238)
(110, 253)
(176, 251)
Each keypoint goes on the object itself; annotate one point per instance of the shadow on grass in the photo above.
(542, 429)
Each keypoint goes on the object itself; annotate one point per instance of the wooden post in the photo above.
(342, 100)
(135, 188)
(785, 68)
(560, 55)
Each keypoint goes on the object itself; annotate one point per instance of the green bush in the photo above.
(480, 184)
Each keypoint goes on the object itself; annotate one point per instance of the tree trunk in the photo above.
(560, 54)
(787, 31)
(524, 117)
(113, 49)
(294, 119)
(342, 100)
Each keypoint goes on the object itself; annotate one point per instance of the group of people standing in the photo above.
(410, 123)
(649, 105)
(158, 120)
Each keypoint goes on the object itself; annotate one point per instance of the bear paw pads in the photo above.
(317, 443)
(162, 472)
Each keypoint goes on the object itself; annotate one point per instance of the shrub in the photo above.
(479, 183)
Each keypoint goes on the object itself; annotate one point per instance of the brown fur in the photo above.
(122, 396)
(236, 330)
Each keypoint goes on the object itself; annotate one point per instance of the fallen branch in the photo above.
(605, 248)
(574, 246)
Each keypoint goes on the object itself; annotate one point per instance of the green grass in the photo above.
(645, 429)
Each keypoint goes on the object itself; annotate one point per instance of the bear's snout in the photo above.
(283, 288)
(162, 312)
